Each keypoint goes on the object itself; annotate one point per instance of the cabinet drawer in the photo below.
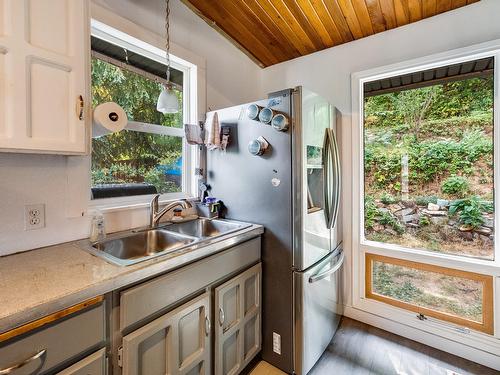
(94, 364)
(63, 340)
(144, 300)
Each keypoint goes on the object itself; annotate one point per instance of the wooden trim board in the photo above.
(486, 326)
(49, 318)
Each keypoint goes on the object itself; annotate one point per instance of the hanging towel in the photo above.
(194, 134)
(212, 127)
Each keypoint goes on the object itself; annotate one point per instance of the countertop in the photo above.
(40, 282)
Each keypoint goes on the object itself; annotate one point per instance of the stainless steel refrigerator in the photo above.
(285, 175)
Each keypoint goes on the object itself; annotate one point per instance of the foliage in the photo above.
(374, 215)
(464, 98)
(428, 159)
(385, 283)
(386, 218)
(471, 210)
(424, 221)
(425, 200)
(131, 156)
(124, 174)
(455, 185)
(387, 198)
(371, 212)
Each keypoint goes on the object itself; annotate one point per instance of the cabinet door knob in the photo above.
(221, 316)
(79, 107)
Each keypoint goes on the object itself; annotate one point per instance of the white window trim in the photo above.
(360, 245)
(190, 115)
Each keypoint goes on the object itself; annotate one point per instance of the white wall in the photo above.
(60, 182)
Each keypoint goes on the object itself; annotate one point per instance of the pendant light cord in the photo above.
(167, 44)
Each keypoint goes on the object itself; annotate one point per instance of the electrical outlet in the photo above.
(34, 216)
(276, 343)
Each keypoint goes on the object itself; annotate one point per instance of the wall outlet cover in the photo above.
(276, 343)
(34, 216)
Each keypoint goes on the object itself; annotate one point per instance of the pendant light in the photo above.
(167, 101)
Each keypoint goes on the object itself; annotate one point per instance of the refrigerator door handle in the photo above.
(335, 268)
(336, 177)
(326, 177)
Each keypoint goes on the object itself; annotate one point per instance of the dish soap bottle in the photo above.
(97, 227)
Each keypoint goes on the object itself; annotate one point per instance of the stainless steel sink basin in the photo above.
(134, 246)
(143, 244)
(206, 228)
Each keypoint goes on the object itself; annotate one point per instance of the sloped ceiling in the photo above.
(273, 31)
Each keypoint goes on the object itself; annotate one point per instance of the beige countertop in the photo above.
(39, 282)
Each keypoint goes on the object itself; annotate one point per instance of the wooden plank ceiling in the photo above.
(273, 31)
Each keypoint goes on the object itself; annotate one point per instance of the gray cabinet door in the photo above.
(94, 364)
(175, 343)
(238, 326)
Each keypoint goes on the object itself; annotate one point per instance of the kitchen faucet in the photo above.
(155, 215)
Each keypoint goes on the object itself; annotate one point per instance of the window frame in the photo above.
(487, 294)
(355, 198)
(189, 103)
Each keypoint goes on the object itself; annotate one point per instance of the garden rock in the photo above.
(433, 207)
(439, 220)
(395, 207)
(409, 203)
(435, 213)
(488, 222)
(405, 212)
(465, 228)
(409, 218)
(442, 203)
(378, 227)
(483, 230)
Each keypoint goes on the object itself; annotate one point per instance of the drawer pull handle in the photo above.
(221, 316)
(207, 326)
(41, 354)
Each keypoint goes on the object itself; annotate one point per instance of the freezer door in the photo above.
(318, 309)
(315, 157)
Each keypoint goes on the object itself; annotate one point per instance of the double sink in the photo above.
(139, 245)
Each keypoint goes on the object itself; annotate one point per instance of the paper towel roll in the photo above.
(108, 118)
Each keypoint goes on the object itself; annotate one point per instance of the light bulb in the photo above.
(167, 101)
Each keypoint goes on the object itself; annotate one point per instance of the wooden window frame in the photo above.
(487, 325)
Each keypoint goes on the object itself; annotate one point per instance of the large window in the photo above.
(429, 161)
(148, 156)
(424, 183)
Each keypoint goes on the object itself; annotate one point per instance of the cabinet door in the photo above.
(94, 364)
(44, 75)
(238, 329)
(176, 343)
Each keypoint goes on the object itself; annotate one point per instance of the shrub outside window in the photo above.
(146, 157)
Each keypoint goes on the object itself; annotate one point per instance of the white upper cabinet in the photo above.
(44, 76)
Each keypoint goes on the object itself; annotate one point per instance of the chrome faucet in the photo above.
(155, 215)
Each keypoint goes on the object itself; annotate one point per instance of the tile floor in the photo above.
(361, 349)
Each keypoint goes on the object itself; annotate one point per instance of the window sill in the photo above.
(483, 266)
(108, 205)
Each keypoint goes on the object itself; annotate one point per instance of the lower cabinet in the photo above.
(175, 343)
(180, 341)
(238, 328)
(94, 364)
